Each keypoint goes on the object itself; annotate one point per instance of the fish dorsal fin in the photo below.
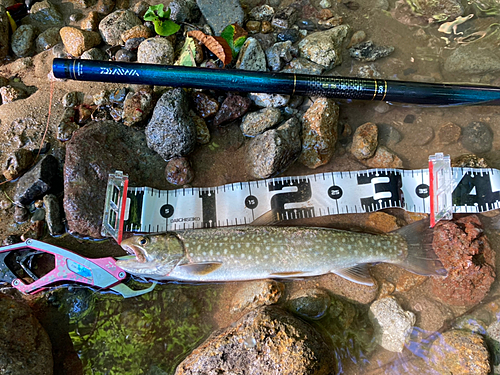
(268, 218)
(358, 274)
(200, 268)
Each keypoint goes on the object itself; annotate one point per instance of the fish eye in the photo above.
(143, 240)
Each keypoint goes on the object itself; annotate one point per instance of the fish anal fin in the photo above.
(288, 274)
(358, 274)
(200, 268)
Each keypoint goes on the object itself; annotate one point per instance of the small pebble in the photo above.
(179, 172)
(367, 51)
(477, 137)
(233, 107)
(266, 27)
(202, 132)
(306, 25)
(38, 215)
(133, 43)
(382, 107)
(449, 133)
(330, 22)
(384, 158)
(325, 4)
(21, 214)
(5, 204)
(357, 38)
(205, 105)
(364, 142)
(71, 99)
(125, 55)
(291, 35)
(253, 27)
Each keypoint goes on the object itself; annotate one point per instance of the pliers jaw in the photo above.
(102, 273)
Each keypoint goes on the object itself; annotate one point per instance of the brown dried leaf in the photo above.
(216, 44)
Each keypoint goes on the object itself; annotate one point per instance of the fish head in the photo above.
(156, 255)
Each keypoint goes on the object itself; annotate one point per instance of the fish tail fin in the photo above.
(421, 258)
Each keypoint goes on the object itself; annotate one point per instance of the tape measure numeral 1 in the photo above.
(151, 210)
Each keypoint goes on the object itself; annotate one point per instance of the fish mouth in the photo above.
(134, 250)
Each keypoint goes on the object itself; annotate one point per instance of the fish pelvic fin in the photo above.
(421, 258)
(358, 274)
(200, 268)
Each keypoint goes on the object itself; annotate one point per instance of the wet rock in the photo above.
(285, 18)
(382, 222)
(21, 214)
(202, 132)
(139, 31)
(275, 150)
(233, 107)
(38, 215)
(384, 158)
(137, 107)
(140, 8)
(309, 304)
(251, 56)
(364, 141)
(48, 39)
(469, 161)
(133, 44)
(97, 149)
(101, 98)
(449, 133)
(459, 352)
(118, 96)
(84, 3)
(357, 38)
(319, 133)
(477, 137)
(269, 100)
(53, 216)
(11, 240)
(179, 171)
(246, 346)
(45, 15)
(324, 47)
(94, 54)
(266, 27)
(305, 24)
(10, 94)
(468, 258)
(25, 347)
(392, 324)
(115, 24)
(253, 27)
(35, 231)
(5, 204)
(4, 33)
(78, 41)
(205, 105)
(437, 10)
(279, 54)
(367, 51)
(477, 58)
(91, 22)
(262, 13)
(254, 294)
(171, 131)
(303, 66)
(44, 177)
(388, 135)
(255, 123)
(105, 6)
(184, 11)
(18, 162)
(156, 51)
(288, 35)
(67, 125)
(221, 13)
(23, 41)
(330, 22)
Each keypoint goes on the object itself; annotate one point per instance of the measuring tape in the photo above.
(439, 191)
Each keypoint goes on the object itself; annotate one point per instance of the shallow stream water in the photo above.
(151, 334)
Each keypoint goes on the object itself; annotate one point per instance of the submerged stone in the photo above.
(246, 347)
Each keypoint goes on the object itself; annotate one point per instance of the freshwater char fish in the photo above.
(259, 252)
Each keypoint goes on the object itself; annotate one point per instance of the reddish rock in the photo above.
(25, 347)
(206, 106)
(365, 141)
(94, 151)
(466, 254)
(232, 108)
(179, 172)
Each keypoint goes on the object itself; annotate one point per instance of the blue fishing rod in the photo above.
(276, 83)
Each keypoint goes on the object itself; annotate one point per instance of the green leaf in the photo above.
(187, 55)
(153, 12)
(235, 36)
(166, 27)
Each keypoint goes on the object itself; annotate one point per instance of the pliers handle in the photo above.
(100, 272)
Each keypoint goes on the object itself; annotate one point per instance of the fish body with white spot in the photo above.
(259, 252)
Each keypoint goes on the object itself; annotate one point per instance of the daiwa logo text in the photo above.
(119, 72)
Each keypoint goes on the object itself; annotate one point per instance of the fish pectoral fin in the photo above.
(358, 274)
(200, 268)
(288, 274)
